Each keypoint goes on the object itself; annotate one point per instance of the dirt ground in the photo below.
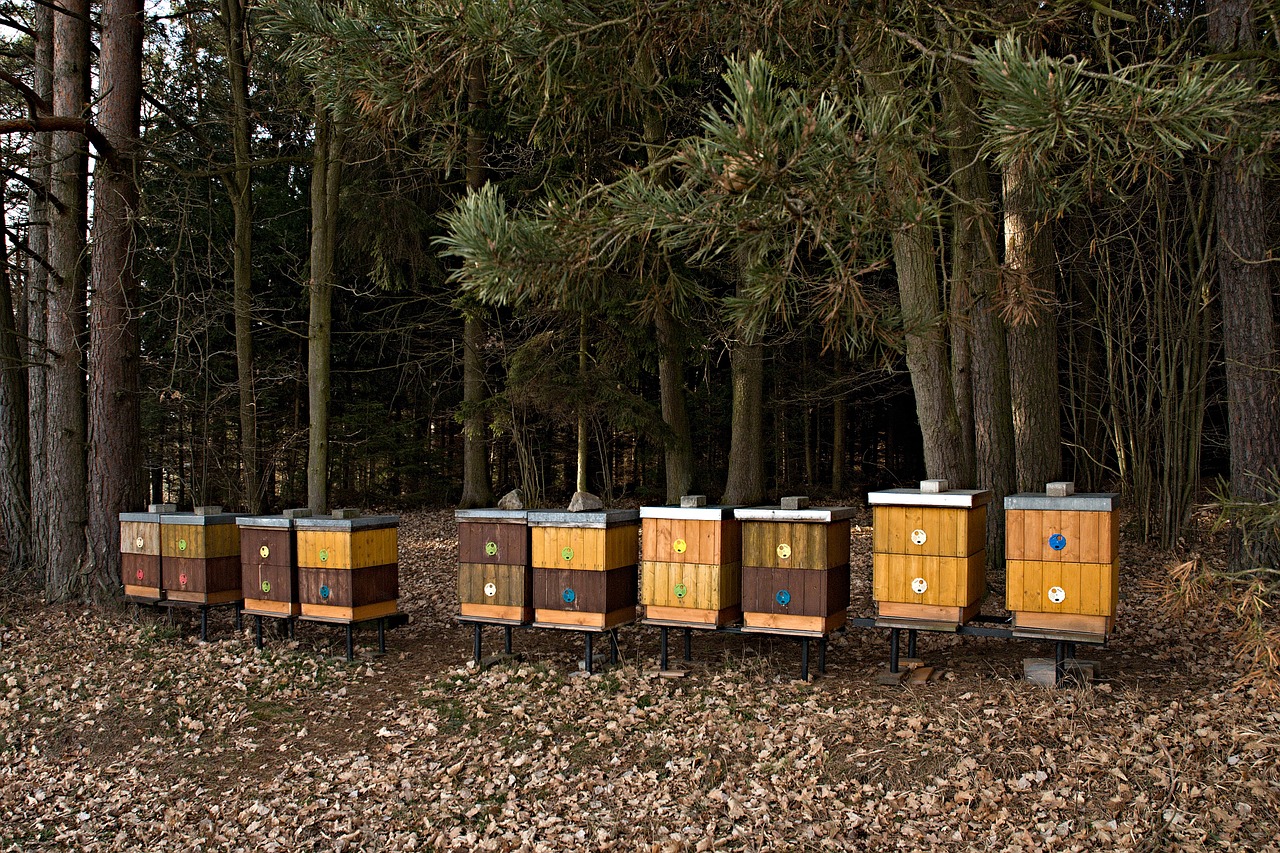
(119, 730)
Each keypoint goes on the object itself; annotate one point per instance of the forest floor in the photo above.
(120, 730)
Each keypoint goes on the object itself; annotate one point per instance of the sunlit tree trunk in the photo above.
(65, 401)
(116, 478)
(326, 182)
(240, 191)
(1245, 280)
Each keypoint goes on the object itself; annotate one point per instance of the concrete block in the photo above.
(796, 502)
(1060, 489)
(934, 487)
(693, 501)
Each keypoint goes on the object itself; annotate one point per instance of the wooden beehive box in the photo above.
(584, 568)
(269, 564)
(200, 556)
(691, 565)
(795, 568)
(348, 567)
(1062, 575)
(495, 577)
(929, 552)
(140, 552)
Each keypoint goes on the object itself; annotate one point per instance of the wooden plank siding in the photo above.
(808, 545)
(1092, 589)
(347, 549)
(695, 541)
(704, 587)
(585, 548)
(1091, 537)
(951, 581)
(950, 532)
(199, 541)
(510, 542)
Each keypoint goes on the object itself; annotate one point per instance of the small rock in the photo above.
(513, 499)
(585, 502)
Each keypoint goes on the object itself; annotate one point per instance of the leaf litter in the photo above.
(120, 731)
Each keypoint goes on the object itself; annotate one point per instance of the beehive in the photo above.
(929, 552)
(584, 568)
(495, 579)
(1062, 562)
(348, 568)
(691, 565)
(269, 564)
(200, 556)
(795, 568)
(140, 552)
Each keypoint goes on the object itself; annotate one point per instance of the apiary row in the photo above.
(785, 569)
(342, 569)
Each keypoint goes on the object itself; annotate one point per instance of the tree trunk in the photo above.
(1248, 307)
(326, 182)
(15, 460)
(928, 357)
(477, 488)
(116, 480)
(240, 190)
(581, 485)
(1033, 343)
(839, 427)
(745, 484)
(678, 450)
(975, 279)
(65, 413)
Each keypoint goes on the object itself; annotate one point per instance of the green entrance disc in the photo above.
(681, 590)
(567, 553)
(491, 548)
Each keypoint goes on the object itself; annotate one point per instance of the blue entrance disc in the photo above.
(783, 597)
(1057, 541)
(569, 595)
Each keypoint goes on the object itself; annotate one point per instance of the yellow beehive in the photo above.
(584, 568)
(690, 565)
(200, 556)
(929, 552)
(348, 567)
(795, 568)
(140, 552)
(1062, 575)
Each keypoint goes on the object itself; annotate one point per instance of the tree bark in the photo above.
(15, 460)
(745, 483)
(975, 265)
(928, 355)
(240, 190)
(678, 449)
(1033, 343)
(116, 478)
(65, 406)
(1248, 307)
(477, 489)
(326, 184)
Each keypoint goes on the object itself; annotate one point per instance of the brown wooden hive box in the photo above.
(495, 578)
(690, 565)
(348, 568)
(795, 569)
(200, 556)
(140, 552)
(929, 553)
(1062, 576)
(269, 565)
(584, 568)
